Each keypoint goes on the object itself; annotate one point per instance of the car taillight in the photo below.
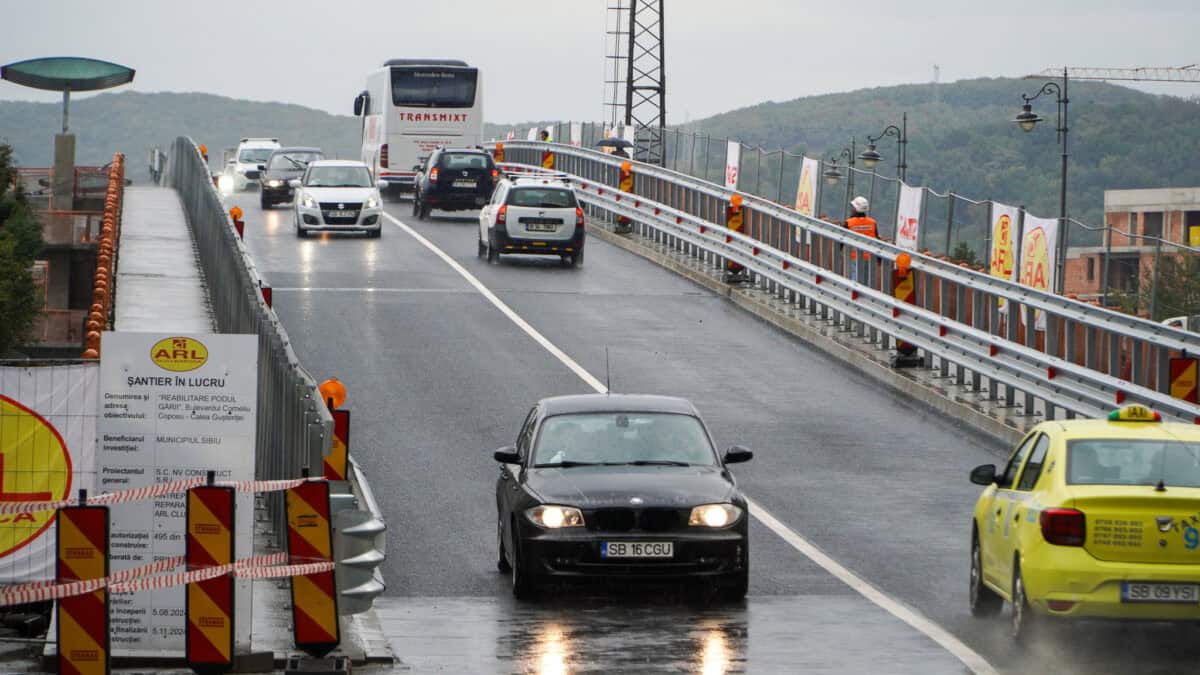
(383, 156)
(1064, 527)
(495, 174)
(433, 174)
(502, 215)
(578, 218)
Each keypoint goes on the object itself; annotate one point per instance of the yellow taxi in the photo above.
(1091, 519)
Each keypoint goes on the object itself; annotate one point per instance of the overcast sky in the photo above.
(545, 59)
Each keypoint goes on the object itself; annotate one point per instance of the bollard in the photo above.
(337, 462)
(235, 214)
(904, 288)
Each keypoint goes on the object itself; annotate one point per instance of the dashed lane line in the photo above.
(969, 657)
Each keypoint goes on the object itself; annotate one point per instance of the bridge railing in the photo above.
(295, 429)
(1050, 352)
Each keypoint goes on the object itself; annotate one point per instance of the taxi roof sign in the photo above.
(1134, 413)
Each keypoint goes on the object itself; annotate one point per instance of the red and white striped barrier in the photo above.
(151, 492)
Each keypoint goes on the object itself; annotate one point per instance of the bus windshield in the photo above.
(434, 87)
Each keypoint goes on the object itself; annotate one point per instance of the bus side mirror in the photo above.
(358, 103)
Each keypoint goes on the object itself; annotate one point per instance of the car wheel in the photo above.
(416, 204)
(263, 203)
(524, 586)
(983, 600)
(1023, 617)
(483, 249)
(425, 210)
(577, 259)
(493, 255)
(375, 233)
(501, 554)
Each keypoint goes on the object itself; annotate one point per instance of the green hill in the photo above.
(133, 123)
(967, 143)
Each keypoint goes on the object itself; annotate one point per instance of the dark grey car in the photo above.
(282, 166)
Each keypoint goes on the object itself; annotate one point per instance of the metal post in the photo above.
(1062, 197)
(1107, 261)
(903, 167)
(779, 192)
(66, 107)
(949, 223)
(1154, 279)
(758, 172)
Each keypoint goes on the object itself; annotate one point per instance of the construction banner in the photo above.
(82, 545)
(1183, 379)
(908, 217)
(338, 460)
(733, 162)
(1039, 250)
(314, 596)
(210, 603)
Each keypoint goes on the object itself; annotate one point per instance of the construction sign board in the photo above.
(172, 406)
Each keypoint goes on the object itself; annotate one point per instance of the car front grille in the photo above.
(641, 520)
(328, 207)
(252, 175)
(341, 206)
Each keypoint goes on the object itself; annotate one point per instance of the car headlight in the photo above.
(308, 202)
(554, 517)
(372, 202)
(275, 182)
(714, 515)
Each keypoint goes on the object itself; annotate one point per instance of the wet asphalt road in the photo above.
(437, 378)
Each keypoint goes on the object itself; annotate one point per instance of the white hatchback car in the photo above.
(536, 215)
(337, 195)
(244, 166)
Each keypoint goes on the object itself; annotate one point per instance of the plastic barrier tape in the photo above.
(138, 494)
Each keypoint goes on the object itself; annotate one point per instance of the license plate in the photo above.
(1136, 591)
(540, 227)
(464, 184)
(637, 549)
(341, 214)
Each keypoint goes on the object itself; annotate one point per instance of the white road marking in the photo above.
(969, 657)
(365, 289)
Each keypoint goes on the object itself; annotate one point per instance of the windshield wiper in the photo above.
(296, 163)
(656, 462)
(564, 465)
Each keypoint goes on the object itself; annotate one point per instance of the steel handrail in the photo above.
(1074, 310)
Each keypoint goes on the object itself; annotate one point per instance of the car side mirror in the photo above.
(381, 184)
(262, 167)
(507, 455)
(416, 167)
(738, 454)
(984, 474)
(295, 183)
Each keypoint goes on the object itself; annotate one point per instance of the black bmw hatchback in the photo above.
(625, 487)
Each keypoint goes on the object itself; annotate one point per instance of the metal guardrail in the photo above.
(295, 429)
(1085, 361)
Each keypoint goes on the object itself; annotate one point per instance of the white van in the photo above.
(242, 168)
(410, 108)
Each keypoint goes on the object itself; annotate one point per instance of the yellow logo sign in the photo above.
(179, 354)
(804, 197)
(1002, 248)
(1035, 260)
(35, 455)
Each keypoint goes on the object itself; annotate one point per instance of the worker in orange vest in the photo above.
(547, 155)
(863, 224)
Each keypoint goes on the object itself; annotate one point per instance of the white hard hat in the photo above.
(860, 204)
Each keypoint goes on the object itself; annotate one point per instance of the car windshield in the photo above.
(290, 161)
(454, 161)
(338, 176)
(1133, 462)
(540, 197)
(623, 438)
(255, 155)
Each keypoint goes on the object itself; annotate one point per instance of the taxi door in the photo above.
(997, 535)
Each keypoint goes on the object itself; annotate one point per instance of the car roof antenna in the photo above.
(607, 373)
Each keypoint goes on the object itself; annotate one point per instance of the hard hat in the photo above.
(860, 204)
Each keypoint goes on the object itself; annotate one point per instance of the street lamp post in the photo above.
(1027, 120)
(833, 176)
(871, 157)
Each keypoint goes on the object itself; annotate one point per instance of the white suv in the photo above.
(244, 167)
(536, 215)
(339, 195)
